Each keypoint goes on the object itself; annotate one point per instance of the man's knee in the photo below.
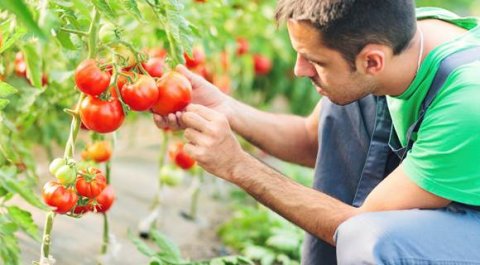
(367, 239)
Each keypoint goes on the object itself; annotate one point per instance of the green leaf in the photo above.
(167, 248)
(24, 220)
(10, 250)
(65, 41)
(34, 64)
(10, 40)
(22, 12)
(283, 242)
(6, 90)
(132, 8)
(105, 9)
(19, 187)
(3, 103)
(141, 246)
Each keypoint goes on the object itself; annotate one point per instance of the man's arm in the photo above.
(213, 145)
(288, 137)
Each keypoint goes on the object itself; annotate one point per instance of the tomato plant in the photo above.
(175, 93)
(101, 116)
(90, 182)
(140, 95)
(60, 198)
(90, 79)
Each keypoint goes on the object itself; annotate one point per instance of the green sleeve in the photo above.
(445, 158)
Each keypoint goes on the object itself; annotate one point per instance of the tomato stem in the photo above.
(46, 241)
(106, 239)
(74, 128)
(74, 31)
(93, 34)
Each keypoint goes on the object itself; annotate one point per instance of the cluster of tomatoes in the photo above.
(102, 111)
(262, 64)
(77, 191)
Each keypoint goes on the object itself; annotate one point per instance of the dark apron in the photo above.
(366, 149)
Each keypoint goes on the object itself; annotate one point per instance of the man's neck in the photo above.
(403, 69)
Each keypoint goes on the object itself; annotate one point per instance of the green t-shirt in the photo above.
(445, 158)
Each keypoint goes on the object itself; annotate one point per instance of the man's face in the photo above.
(330, 73)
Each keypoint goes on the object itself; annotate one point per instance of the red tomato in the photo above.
(101, 116)
(242, 46)
(154, 66)
(90, 79)
(175, 93)
(122, 79)
(198, 58)
(90, 182)
(180, 158)
(20, 65)
(104, 200)
(60, 198)
(140, 95)
(262, 64)
(99, 152)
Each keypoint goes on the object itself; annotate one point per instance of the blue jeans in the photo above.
(353, 158)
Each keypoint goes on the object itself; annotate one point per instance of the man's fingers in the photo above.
(195, 121)
(203, 111)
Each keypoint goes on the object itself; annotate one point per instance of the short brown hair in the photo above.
(349, 25)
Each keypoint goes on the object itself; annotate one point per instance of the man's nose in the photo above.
(303, 68)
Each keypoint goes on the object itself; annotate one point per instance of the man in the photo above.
(368, 207)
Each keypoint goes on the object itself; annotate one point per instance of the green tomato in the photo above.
(55, 165)
(66, 175)
(170, 176)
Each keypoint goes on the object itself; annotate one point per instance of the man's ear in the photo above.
(371, 59)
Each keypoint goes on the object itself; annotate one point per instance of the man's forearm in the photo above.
(283, 136)
(313, 211)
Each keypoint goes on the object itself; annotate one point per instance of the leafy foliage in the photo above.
(168, 253)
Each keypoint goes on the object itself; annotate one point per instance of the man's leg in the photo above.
(444, 236)
(344, 138)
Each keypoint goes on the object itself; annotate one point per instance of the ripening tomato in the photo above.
(157, 52)
(198, 58)
(66, 174)
(60, 198)
(122, 79)
(101, 116)
(175, 93)
(90, 182)
(142, 94)
(124, 56)
(99, 152)
(170, 176)
(154, 66)
(179, 156)
(90, 79)
(104, 200)
(242, 46)
(20, 65)
(262, 64)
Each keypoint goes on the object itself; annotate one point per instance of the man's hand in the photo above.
(210, 140)
(203, 93)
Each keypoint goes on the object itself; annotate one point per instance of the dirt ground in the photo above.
(134, 176)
